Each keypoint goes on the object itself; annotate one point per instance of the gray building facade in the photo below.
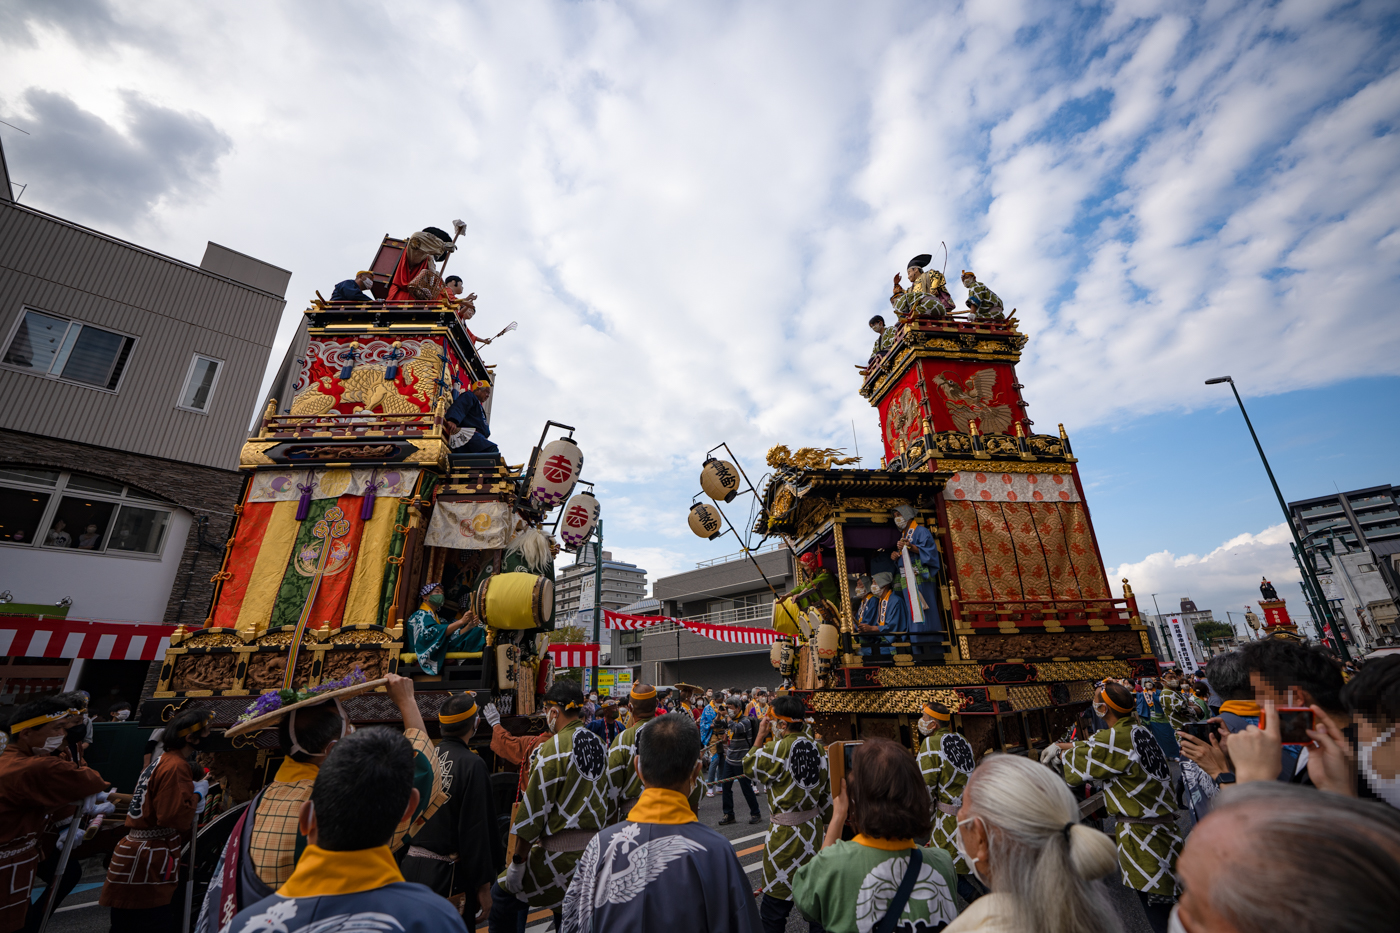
(1353, 541)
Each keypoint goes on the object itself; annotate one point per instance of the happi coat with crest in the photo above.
(794, 772)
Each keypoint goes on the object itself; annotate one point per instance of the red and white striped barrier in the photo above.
(574, 655)
(734, 634)
(626, 623)
(35, 637)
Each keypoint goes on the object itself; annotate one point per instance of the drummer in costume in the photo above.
(142, 874)
(820, 587)
(624, 786)
(1126, 761)
(946, 760)
(263, 849)
(918, 541)
(564, 806)
(431, 639)
(458, 852)
(35, 782)
(787, 761)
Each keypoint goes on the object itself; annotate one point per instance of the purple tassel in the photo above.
(367, 506)
(304, 503)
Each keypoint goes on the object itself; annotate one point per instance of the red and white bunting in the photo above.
(626, 623)
(35, 637)
(734, 634)
(574, 655)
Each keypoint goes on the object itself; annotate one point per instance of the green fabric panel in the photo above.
(391, 573)
(291, 597)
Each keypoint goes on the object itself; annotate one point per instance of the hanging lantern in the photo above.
(705, 521)
(580, 515)
(828, 640)
(556, 471)
(720, 480)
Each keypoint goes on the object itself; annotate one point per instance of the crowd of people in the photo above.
(1239, 823)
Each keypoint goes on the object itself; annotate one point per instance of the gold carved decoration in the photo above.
(808, 458)
(352, 637)
(882, 701)
(857, 504)
(982, 466)
(432, 451)
(1034, 696)
(946, 675)
(282, 638)
(212, 639)
(1081, 670)
(253, 454)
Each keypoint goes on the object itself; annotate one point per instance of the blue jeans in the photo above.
(727, 795)
(508, 915)
(716, 760)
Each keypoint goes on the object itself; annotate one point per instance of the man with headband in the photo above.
(788, 762)
(946, 760)
(1128, 764)
(34, 782)
(624, 785)
(564, 805)
(458, 853)
(467, 428)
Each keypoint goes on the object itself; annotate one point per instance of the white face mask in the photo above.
(52, 744)
(121, 715)
(1388, 789)
(1101, 712)
(962, 851)
(927, 728)
(551, 721)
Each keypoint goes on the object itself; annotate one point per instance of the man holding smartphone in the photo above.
(740, 738)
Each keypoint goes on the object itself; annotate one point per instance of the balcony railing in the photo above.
(740, 555)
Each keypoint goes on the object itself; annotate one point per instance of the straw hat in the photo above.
(271, 718)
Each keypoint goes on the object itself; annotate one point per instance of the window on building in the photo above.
(634, 655)
(53, 346)
(71, 511)
(200, 382)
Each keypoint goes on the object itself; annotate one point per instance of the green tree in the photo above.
(1208, 631)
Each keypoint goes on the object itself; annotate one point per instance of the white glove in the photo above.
(1049, 754)
(515, 878)
(493, 715)
(201, 792)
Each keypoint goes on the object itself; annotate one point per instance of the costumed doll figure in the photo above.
(918, 541)
(945, 760)
(792, 767)
(985, 304)
(432, 639)
(884, 339)
(1128, 764)
(416, 277)
(820, 587)
(927, 296)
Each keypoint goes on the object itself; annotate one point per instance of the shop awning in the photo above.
(40, 637)
(574, 655)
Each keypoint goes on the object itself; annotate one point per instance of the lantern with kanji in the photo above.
(720, 480)
(576, 524)
(556, 471)
(705, 521)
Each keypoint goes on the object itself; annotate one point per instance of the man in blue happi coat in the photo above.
(660, 869)
(346, 878)
(885, 612)
(467, 429)
(354, 289)
(923, 553)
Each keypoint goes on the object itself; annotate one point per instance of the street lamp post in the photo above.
(1304, 565)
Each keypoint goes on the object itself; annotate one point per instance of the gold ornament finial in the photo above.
(1127, 589)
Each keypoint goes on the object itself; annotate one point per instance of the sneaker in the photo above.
(727, 820)
(756, 818)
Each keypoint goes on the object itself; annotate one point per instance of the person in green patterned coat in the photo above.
(564, 806)
(624, 786)
(1176, 705)
(946, 760)
(1128, 764)
(791, 766)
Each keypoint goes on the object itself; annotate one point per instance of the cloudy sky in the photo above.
(692, 209)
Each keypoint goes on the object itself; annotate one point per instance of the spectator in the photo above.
(1292, 673)
(713, 736)
(662, 870)
(119, 711)
(849, 886)
(354, 289)
(1273, 857)
(606, 726)
(739, 739)
(1019, 829)
(1373, 696)
(945, 761)
(1229, 678)
(362, 792)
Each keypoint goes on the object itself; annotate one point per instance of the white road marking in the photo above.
(755, 866)
(736, 842)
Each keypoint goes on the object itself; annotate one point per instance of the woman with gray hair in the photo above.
(1019, 830)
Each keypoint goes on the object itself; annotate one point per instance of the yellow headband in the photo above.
(451, 718)
(772, 715)
(942, 717)
(1103, 695)
(199, 726)
(43, 720)
(647, 694)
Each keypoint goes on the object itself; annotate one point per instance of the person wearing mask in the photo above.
(945, 761)
(35, 781)
(142, 874)
(1019, 829)
(891, 616)
(1373, 696)
(564, 806)
(713, 734)
(661, 869)
(458, 852)
(346, 879)
(1274, 857)
(467, 428)
(431, 639)
(355, 289)
(1126, 761)
(791, 766)
(849, 887)
(1229, 678)
(1152, 713)
(606, 726)
(624, 787)
(738, 736)
(918, 542)
(119, 711)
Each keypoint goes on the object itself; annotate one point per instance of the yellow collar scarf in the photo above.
(319, 872)
(658, 805)
(296, 771)
(1240, 707)
(889, 845)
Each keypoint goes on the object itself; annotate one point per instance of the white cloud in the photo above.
(692, 209)
(1225, 579)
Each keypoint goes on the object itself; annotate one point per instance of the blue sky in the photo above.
(692, 209)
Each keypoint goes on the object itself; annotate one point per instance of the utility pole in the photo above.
(1298, 552)
(598, 598)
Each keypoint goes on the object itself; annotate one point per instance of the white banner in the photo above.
(470, 525)
(1181, 645)
(285, 485)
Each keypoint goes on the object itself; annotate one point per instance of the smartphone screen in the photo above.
(1293, 725)
(1201, 730)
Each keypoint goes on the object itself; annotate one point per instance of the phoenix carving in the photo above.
(975, 399)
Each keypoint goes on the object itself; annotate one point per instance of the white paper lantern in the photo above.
(705, 521)
(577, 522)
(556, 471)
(720, 480)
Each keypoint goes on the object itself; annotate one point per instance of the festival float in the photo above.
(1012, 620)
(354, 499)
